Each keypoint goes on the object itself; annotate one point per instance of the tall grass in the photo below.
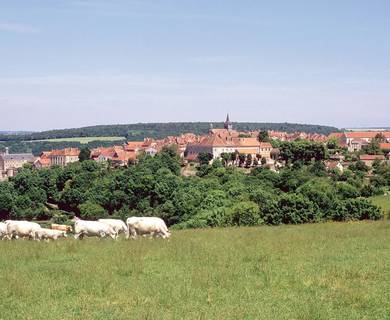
(384, 203)
(319, 271)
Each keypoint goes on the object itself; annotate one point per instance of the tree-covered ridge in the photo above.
(302, 192)
(140, 131)
(36, 147)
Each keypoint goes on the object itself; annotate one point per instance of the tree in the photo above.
(7, 199)
(233, 157)
(204, 158)
(263, 136)
(226, 157)
(295, 208)
(333, 144)
(241, 159)
(347, 191)
(248, 161)
(246, 214)
(357, 209)
(85, 154)
(373, 147)
(90, 210)
(380, 137)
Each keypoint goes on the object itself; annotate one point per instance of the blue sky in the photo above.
(84, 62)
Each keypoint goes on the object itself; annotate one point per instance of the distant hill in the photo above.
(15, 132)
(36, 142)
(140, 131)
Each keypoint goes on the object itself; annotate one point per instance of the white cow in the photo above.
(92, 229)
(147, 226)
(47, 234)
(3, 230)
(118, 225)
(21, 229)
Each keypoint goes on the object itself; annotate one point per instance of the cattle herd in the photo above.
(103, 228)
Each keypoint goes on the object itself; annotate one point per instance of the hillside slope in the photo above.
(161, 130)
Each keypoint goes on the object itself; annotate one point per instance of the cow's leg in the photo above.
(79, 235)
(133, 233)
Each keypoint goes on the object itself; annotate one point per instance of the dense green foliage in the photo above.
(161, 130)
(36, 147)
(314, 271)
(302, 192)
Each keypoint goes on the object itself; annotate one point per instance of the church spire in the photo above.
(228, 125)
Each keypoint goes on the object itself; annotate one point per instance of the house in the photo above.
(43, 160)
(385, 146)
(227, 140)
(117, 155)
(357, 144)
(357, 140)
(332, 164)
(64, 156)
(11, 162)
(368, 159)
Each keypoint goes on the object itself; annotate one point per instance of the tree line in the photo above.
(37, 147)
(219, 195)
(160, 130)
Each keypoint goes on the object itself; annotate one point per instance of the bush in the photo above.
(347, 191)
(90, 210)
(60, 217)
(296, 209)
(218, 217)
(357, 209)
(246, 214)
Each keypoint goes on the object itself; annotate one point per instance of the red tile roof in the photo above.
(336, 135)
(70, 152)
(366, 134)
(369, 157)
(384, 146)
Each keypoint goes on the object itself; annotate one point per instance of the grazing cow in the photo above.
(147, 226)
(21, 229)
(61, 227)
(3, 230)
(118, 225)
(92, 229)
(47, 234)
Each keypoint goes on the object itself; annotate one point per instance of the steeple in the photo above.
(228, 125)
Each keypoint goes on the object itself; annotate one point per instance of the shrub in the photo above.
(246, 214)
(91, 210)
(60, 217)
(357, 209)
(218, 217)
(295, 208)
(347, 191)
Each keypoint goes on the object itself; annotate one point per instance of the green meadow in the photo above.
(313, 271)
(382, 202)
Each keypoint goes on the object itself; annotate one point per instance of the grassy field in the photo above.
(319, 271)
(383, 202)
(83, 140)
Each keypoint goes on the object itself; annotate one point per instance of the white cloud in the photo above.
(17, 28)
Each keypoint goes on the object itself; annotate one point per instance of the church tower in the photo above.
(228, 125)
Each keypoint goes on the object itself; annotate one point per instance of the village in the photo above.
(235, 147)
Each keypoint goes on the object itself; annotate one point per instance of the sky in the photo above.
(66, 64)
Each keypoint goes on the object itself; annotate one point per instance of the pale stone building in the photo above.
(227, 140)
(64, 156)
(11, 162)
